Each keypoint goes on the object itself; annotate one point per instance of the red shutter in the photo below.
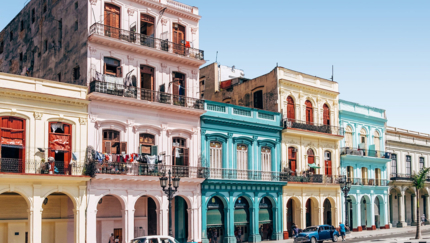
(328, 167)
(309, 112)
(291, 114)
(326, 115)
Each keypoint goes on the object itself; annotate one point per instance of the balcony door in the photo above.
(112, 67)
(326, 115)
(147, 30)
(292, 160)
(242, 161)
(291, 113)
(327, 163)
(112, 20)
(215, 159)
(178, 39)
(147, 83)
(180, 152)
(179, 86)
(266, 162)
(309, 112)
(12, 132)
(60, 141)
(311, 159)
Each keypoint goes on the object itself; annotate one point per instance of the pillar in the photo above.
(254, 235)
(124, 225)
(413, 209)
(371, 214)
(390, 208)
(130, 226)
(204, 223)
(427, 211)
(401, 206)
(356, 220)
(92, 225)
(229, 214)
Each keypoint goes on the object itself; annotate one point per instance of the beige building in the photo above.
(43, 142)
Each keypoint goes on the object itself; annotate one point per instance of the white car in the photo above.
(154, 239)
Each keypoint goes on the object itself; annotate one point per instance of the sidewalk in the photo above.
(374, 233)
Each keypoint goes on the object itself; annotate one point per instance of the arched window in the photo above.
(12, 132)
(326, 115)
(291, 113)
(377, 140)
(363, 140)
(242, 160)
(112, 20)
(309, 112)
(327, 163)
(147, 144)
(180, 151)
(178, 39)
(60, 141)
(311, 159)
(215, 155)
(292, 159)
(348, 137)
(266, 161)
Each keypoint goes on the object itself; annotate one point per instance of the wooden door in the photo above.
(292, 160)
(60, 146)
(118, 233)
(328, 167)
(309, 112)
(311, 159)
(178, 39)
(12, 132)
(112, 20)
(326, 115)
(291, 113)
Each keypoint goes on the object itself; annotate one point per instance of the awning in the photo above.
(214, 218)
(241, 216)
(265, 215)
(314, 166)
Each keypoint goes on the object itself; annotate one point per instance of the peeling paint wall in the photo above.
(50, 44)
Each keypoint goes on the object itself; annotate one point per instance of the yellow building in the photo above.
(310, 139)
(43, 142)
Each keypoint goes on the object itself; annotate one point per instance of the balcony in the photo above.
(398, 176)
(136, 169)
(233, 174)
(8, 165)
(365, 152)
(368, 182)
(143, 44)
(313, 127)
(318, 179)
(116, 89)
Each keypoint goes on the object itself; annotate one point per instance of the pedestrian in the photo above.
(117, 239)
(111, 238)
(269, 233)
(215, 236)
(261, 231)
(239, 235)
(342, 231)
(423, 219)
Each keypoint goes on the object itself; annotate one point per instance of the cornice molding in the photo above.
(241, 123)
(309, 88)
(171, 10)
(43, 97)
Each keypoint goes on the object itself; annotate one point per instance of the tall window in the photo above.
(363, 136)
(377, 141)
(327, 163)
(215, 159)
(378, 177)
(266, 162)
(242, 160)
(147, 144)
(311, 160)
(60, 140)
(179, 85)
(348, 137)
(112, 67)
(421, 163)
(12, 132)
(180, 152)
(291, 113)
(309, 112)
(292, 159)
(111, 142)
(178, 39)
(147, 82)
(258, 99)
(364, 175)
(350, 172)
(146, 25)
(326, 115)
(408, 165)
(112, 20)
(393, 164)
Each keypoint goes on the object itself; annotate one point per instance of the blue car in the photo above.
(316, 234)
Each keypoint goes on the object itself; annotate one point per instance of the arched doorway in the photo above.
(309, 112)
(109, 218)
(326, 115)
(12, 144)
(291, 113)
(58, 219)
(293, 214)
(14, 218)
(327, 213)
(311, 212)
(350, 212)
(241, 218)
(145, 217)
(265, 219)
(377, 212)
(215, 220)
(180, 219)
(364, 206)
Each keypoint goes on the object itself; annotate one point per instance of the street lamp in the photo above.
(170, 191)
(345, 186)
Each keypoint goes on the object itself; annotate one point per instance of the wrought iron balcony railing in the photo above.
(314, 127)
(137, 169)
(399, 176)
(365, 152)
(233, 174)
(11, 165)
(147, 41)
(145, 94)
(323, 179)
(368, 182)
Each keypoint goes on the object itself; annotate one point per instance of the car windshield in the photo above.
(176, 241)
(310, 229)
(142, 240)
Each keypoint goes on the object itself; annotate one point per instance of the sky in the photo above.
(380, 49)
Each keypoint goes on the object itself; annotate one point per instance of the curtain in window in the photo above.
(215, 159)
(242, 161)
(377, 141)
(348, 137)
(266, 159)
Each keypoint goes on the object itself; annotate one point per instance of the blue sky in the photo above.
(379, 49)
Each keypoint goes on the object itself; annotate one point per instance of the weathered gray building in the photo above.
(47, 39)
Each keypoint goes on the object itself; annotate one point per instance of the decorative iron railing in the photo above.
(233, 174)
(398, 176)
(368, 182)
(113, 89)
(323, 179)
(314, 127)
(12, 165)
(137, 169)
(144, 40)
(365, 152)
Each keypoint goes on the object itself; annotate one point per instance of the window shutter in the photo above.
(174, 156)
(154, 150)
(186, 157)
(119, 72)
(107, 147)
(123, 147)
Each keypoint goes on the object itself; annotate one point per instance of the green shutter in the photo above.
(265, 215)
(154, 150)
(241, 216)
(214, 217)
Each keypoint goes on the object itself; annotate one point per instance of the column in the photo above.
(130, 220)
(401, 206)
(204, 225)
(92, 225)
(303, 215)
(427, 211)
(390, 210)
(229, 214)
(284, 219)
(371, 214)
(413, 209)
(124, 225)
(253, 236)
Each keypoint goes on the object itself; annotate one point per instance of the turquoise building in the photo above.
(241, 153)
(364, 162)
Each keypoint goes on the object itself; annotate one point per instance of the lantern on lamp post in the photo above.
(172, 187)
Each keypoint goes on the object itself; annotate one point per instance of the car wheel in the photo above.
(313, 240)
(335, 238)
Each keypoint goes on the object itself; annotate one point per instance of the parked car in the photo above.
(316, 234)
(154, 239)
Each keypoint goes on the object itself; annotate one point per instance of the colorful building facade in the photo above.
(242, 193)
(364, 162)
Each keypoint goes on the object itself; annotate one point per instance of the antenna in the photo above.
(216, 60)
(332, 72)
(161, 14)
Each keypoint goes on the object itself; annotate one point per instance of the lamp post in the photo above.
(170, 191)
(345, 186)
